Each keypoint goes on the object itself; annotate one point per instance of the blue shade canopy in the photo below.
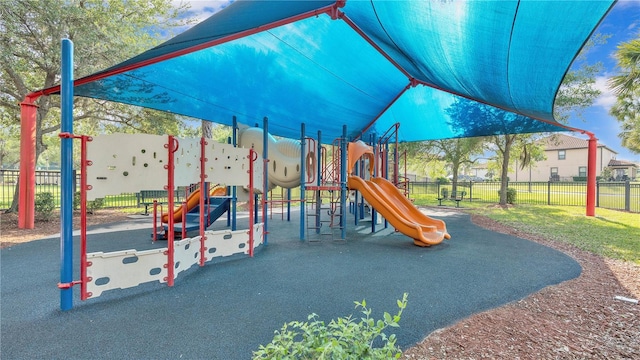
(442, 69)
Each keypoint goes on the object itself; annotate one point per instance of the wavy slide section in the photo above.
(396, 211)
(192, 201)
(406, 206)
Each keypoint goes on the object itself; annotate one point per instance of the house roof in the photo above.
(614, 162)
(566, 142)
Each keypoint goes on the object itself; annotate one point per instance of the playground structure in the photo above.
(187, 216)
(150, 161)
(143, 161)
(385, 198)
(192, 201)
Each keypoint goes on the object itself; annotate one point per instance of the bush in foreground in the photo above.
(342, 338)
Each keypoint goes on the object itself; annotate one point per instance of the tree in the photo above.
(454, 152)
(626, 86)
(104, 33)
(577, 90)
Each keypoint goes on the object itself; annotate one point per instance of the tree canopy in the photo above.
(626, 86)
(104, 33)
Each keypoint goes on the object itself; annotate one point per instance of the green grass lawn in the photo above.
(613, 234)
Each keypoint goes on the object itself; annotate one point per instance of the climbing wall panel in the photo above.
(230, 166)
(129, 268)
(126, 163)
(187, 162)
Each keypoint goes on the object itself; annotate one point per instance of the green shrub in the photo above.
(94, 205)
(76, 200)
(511, 196)
(343, 338)
(44, 205)
(443, 180)
(584, 178)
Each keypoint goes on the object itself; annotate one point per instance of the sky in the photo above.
(622, 23)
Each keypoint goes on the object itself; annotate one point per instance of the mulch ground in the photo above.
(577, 319)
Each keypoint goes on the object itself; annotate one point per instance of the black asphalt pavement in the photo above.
(231, 306)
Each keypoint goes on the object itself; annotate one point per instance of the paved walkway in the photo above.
(226, 309)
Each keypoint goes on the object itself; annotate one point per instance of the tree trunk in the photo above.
(505, 168)
(454, 176)
(14, 203)
(207, 129)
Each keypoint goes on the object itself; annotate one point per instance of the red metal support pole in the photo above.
(155, 219)
(183, 234)
(203, 237)
(27, 180)
(591, 174)
(172, 147)
(84, 187)
(253, 156)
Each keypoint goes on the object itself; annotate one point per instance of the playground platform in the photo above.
(232, 305)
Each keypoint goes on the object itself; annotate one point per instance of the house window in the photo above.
(562, 154)
(582, 171)
(554, 174)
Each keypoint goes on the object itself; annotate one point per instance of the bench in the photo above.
(147, 197)
(444, 195)
(456, 196)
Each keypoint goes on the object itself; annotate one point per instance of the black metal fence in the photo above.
(49, 181)
(617, 195)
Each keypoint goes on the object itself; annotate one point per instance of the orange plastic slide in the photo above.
(192, 201)
(394, 210)
(406, 206)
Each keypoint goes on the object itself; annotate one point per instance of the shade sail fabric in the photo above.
(478, 67)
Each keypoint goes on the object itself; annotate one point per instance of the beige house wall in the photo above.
(567, 168)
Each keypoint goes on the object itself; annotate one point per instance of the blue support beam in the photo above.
(343, 182)
(67, 190)
(302, 182)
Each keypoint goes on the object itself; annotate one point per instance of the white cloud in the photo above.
(606, 98)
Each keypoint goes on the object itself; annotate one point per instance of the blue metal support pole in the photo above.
(343, 182)
(265, 190)
(386, 171)
(289, 204)
(234, 191)
(67, 190)
(356, 206)
(228, 192)
(317, 194)
(319, 178)
(302, 182)
(360, 172)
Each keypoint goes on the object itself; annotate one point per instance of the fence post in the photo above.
(549, 192)
(627, 195)
(470, 190)
(597, 193)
